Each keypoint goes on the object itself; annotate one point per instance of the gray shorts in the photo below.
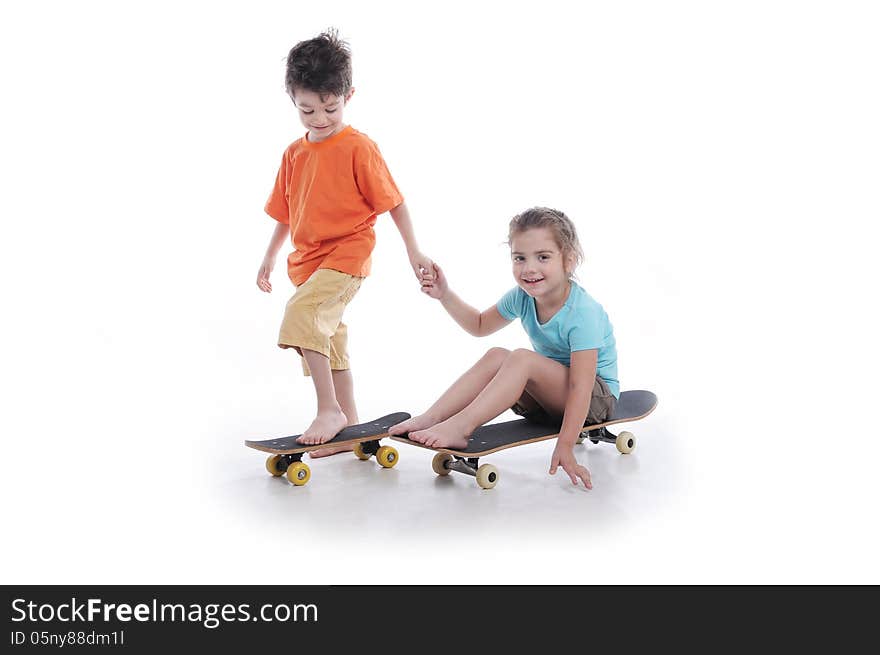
(602, 406)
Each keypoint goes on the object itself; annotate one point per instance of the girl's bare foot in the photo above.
(325, 426)
(447, 434)
(419, 422)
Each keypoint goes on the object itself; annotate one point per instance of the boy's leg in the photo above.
(312, 325)
(343, 383)
(331, 418)
(523, 370)
(459, 395)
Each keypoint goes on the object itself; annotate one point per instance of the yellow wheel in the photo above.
(275, 466)
(580, 440)
(439, 463)
(359, 451)
(626, 442)
(298, 473)
(487, 476)
(386, 456)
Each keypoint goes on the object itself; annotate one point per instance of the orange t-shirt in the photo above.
(330, 194)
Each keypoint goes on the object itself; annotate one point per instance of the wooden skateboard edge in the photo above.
(483, 453)
(262, 444)
(310, 447)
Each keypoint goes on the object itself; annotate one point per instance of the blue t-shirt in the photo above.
(581, 324)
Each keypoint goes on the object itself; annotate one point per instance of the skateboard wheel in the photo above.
(275, 465)
(387, 456)
(487, 476)
(439, 463)
(359, 451)
(299, 473)
(580, 440)
(626, 442)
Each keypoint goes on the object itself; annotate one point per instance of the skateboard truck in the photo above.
(486, 475)
(370, 447)
(625, 441)
(467, 465)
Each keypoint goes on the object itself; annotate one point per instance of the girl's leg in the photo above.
(460, 394)
(522, 371)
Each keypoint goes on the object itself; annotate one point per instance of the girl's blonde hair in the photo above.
(557, 222)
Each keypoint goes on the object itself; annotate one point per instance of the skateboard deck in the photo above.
(286, 452)
(632, 406)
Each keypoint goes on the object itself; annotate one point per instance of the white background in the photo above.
(721, 163)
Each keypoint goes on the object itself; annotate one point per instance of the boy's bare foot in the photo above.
(325, 426)
(447, 434)
(332, 450)
(419, 422)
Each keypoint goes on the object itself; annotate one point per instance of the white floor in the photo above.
(411, 509)
(134, 507)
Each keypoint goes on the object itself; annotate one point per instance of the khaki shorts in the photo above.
(602, 406)
(313, 317)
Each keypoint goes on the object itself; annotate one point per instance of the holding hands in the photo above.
(421, 264)
(434, 282)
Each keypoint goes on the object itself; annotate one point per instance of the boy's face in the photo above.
(320, 115)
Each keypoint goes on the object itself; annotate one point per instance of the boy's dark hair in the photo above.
(322, 65)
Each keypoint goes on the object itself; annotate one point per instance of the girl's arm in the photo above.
(581, 377)
(479, 324)
(472, 321)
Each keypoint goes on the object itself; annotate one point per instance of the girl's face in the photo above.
(539, 266)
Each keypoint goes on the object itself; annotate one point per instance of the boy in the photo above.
(331, 186)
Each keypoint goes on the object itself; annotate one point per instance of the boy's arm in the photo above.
(282, 231)
(581, 377)
(421, 264)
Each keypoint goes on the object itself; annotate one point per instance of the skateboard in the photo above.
(286, 457)
(488, 439)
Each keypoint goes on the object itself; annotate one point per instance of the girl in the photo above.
(569, 378)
